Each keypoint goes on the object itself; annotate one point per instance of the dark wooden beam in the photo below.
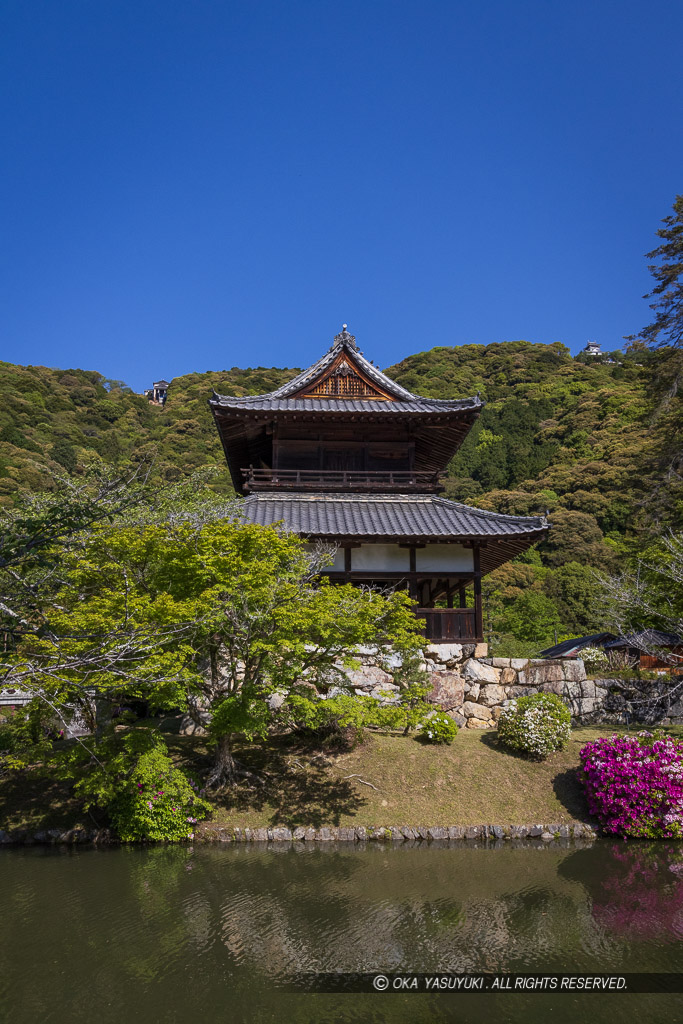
(478, 610)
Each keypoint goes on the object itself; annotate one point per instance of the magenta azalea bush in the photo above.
(634, 785)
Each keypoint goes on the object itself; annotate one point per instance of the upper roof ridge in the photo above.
(398, 398)
(344, 342)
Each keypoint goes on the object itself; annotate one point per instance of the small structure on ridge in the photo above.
(158, 392)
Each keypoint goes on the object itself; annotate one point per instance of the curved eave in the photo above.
(261, 405)
(349, 518)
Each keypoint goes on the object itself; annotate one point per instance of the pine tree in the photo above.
(667, 326)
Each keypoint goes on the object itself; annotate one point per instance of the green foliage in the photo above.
(25, 736)
(535, 725)
(574, 436)
(532, 617)
(667, 326)
(135, 781)
(439, 728)
(346, 710)
(212, 614)
(576, 593)
(241, 713)
(56, 420)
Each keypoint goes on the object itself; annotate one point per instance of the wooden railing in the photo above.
(449, 623)
(340, 479)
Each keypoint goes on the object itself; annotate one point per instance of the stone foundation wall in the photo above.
(473, 689)
(537, 835)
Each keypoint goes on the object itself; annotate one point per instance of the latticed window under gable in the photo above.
(343, 382)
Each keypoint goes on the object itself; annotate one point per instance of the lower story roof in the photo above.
(422, 518)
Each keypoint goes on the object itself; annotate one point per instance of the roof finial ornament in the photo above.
(345, 339)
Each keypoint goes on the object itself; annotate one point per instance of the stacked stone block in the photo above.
(473, 688)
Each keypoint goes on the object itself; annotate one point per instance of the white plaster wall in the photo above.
(337, 565)
(380, 557)
(444, 557)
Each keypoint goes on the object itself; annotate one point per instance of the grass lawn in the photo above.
(471, 782)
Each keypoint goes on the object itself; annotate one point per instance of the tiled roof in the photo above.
(569, 648)
(347, 342)
(374, 516)
(648, 638)
(403, 401)
(269, 403)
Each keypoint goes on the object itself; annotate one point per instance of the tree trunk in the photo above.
(224, 771)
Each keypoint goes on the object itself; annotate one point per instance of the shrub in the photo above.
(536, 725)
(136, 782)
(634, 785)
(439, 728)
(594, 658)
(157, 802)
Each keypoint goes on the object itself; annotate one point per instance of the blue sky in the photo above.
(199, 185)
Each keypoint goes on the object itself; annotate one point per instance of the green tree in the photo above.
(65, 454)
(531, 617)
(577, 594)
(667, 325)
(649, 596)
(218, 617)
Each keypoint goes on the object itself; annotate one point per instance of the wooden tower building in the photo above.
(344, 454)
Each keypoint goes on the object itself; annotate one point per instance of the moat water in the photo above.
(175, 934)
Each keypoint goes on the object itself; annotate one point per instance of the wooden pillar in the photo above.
(412, 582)
(478, 610)
(347, 564)
(462, 595)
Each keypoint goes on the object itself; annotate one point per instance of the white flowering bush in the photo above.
(594, 658)
(440, 728)
(535, 725)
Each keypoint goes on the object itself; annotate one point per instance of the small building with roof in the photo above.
(158, 392)
(648, 648)
(345, 455)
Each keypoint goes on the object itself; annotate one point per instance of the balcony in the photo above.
(356, 480)
(450, 624)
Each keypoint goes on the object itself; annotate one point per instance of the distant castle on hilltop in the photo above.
(593, 349)
(158, 392)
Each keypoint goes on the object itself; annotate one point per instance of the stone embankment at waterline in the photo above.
(540, 833)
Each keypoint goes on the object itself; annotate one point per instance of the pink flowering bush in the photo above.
(157, 801)
(133, 779)
(634, 785)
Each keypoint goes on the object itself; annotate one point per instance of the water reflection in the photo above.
(636, 889)
(159, 933)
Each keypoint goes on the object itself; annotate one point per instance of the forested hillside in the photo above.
(56, 420)
(589, 439)
(585, 438)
